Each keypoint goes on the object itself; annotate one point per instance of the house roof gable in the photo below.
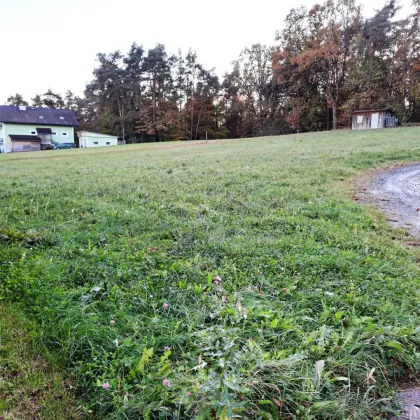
(38, 116)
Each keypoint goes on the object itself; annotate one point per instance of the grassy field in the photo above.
(234, 279)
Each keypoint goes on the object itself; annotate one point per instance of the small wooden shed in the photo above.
(25, 143)
(373, 118)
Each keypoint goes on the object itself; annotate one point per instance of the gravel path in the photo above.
(398, 194)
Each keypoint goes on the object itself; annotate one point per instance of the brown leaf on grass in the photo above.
(278, 403)
(370, 376)
(217, 280)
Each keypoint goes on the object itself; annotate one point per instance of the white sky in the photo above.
(53, 44)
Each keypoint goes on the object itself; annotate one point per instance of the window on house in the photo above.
(54, 134)
(95, 142)
(108, 143)
(33, 132)
(64, 134)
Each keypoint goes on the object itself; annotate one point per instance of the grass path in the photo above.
(113, 150)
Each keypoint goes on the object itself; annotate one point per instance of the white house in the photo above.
(25, 128)
(88, 139)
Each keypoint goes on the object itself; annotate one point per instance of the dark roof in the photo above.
(364, 111)
(18, 137)
(38, 116)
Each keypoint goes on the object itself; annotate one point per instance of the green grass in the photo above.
(283, 293)
(29, 387)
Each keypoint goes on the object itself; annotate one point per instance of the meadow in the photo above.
(229, 279)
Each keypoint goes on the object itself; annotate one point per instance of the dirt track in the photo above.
(397, 193)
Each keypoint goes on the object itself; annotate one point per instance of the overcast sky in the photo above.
(52, 44)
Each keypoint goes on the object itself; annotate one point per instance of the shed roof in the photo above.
(365, 111)
(19, 137)
(38, 116)
(92, 134)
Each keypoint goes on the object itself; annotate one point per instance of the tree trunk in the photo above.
(123, 121)
(120, 101)
(334, 112)
(199, 118)
(192, 111)
(154, 110)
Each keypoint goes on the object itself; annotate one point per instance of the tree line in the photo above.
(326, 62)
